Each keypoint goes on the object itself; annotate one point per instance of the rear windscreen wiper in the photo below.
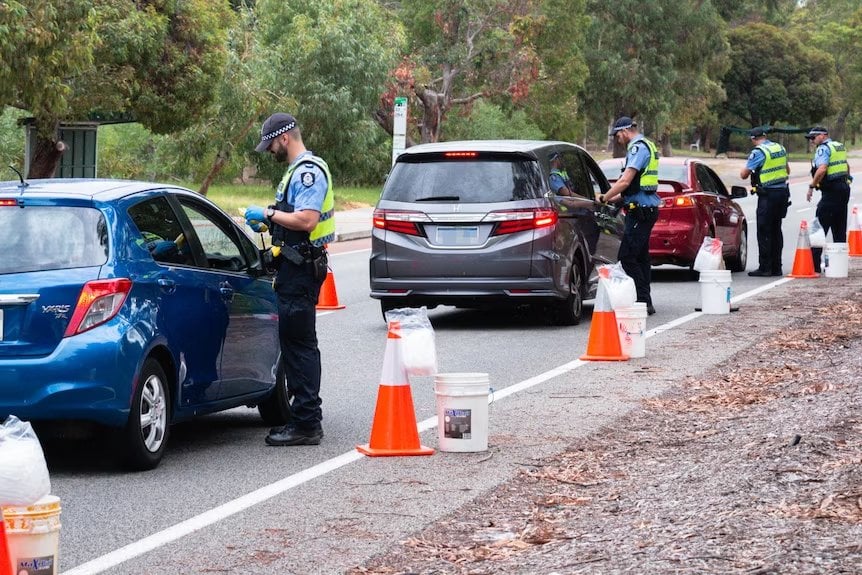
(440, 199)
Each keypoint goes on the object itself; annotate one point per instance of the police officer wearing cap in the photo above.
(637, 185)
(301, 223)
(769, 171)
(830, 173)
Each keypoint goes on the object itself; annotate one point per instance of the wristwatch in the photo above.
(269, 213)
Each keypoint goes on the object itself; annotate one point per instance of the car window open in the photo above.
(221, 249)
(161, 231)
(31, 241)
(707, 183)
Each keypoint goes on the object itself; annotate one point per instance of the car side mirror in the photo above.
(738, 192)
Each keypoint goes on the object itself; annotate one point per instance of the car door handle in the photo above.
(167, 285)
(226, 291)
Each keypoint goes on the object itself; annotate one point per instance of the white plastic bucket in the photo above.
(835, 259)
(33, 533)
(715, 291)
(462, 411)
(631, 322)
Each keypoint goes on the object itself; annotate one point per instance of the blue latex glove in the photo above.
(161, 248)
(254, 213)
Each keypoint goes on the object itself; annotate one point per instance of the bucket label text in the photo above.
(457, 423)
(35, 566)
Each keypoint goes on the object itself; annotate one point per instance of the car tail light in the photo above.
(679, 201)
(402, 222)
(460, 154)
(511, 221)
(5, 203)
(99, 301)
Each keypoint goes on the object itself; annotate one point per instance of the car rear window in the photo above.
(673, 173)
(41, 238)
(435, 178)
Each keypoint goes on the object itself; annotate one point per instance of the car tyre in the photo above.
(568, 312)
(148, 428)
(738, 262)
(275, 409)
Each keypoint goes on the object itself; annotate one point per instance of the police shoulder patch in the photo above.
(634, 150)
(752, 155)
(821, 150)
(307, 179)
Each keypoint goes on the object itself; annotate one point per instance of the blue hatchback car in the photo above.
(132, 305)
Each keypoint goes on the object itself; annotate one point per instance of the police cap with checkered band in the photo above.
(274, 126)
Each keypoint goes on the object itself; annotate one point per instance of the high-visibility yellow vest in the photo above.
(324, 231)
(774, 168)
(838, 167)
(646, 181)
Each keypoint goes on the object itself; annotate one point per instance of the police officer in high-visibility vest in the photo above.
(830, 173)
(559, 180)
(769, 171)
(637, 185)
(301, 223)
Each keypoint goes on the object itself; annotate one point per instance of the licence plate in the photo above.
(458, 235)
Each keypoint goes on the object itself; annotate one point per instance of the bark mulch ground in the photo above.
(754, 468)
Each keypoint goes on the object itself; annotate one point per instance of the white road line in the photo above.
(198, 522)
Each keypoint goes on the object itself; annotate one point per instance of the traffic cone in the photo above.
(854, 233)
(803, 263)
(5, 559)
(394, 430)
(328, 298)
(604, 341)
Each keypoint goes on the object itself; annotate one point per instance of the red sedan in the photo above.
(695, 204)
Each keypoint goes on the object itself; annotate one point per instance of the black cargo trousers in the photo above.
(772, 206)
(634, 249)
(298, 287)
(832, 213)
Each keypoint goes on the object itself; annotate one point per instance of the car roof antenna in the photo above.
(20, 177)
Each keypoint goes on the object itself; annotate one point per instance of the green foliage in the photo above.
(331, 57)
(11, 142)
(794, 85)
(486, 121)
(162, 58)
(231, 197)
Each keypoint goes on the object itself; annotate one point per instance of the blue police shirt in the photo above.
(308, 185)
(823, 154)
(557, 183)
(638, 157)
(756, 159)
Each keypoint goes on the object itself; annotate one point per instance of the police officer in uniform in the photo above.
(767, 166)
(637, 185)
(301, 223)
(830, 173)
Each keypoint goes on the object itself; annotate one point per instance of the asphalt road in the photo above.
(223, 502)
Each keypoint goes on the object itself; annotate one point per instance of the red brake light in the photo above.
(99, 301)
(5, 203)
(401, 222)
(511, 221)
(460, 154)
(679, 201)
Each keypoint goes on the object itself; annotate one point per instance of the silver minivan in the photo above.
(477, 223)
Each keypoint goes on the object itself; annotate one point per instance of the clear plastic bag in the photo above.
(816, 235)
(23, 472)
(709, 256)
(418, 346)
(620, 287)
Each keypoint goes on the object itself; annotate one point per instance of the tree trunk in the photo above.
(840, 125)
(666, 148)
(46, 157)
(223, 156)
(429, 130)
(705, 136)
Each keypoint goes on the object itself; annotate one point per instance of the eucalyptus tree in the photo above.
(781, 80)
(331, 57)
(660, 61)
(67, 60)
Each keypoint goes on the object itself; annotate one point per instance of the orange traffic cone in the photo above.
(328, 298)
(394, 430)
(854, 233)
(5, 559)
(803, 263)
(604, 341)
